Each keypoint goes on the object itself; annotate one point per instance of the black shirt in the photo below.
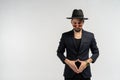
(78, 42)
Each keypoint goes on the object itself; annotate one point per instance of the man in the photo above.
(77, 43)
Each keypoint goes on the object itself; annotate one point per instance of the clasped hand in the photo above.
(74, 67)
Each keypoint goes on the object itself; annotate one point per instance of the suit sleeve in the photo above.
(94, 49)
(61, 49)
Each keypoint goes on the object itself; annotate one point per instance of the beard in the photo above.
(77, 29)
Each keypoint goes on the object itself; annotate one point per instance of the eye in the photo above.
(74, 23)
(79, 22)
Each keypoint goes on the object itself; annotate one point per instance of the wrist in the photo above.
(89, 60)
(67, 61)
(87, 63)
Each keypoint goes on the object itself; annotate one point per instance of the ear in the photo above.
(83, 21)
(71, 21)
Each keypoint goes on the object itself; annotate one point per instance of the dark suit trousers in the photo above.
(77, 77)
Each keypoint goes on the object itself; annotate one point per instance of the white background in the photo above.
(30, 31)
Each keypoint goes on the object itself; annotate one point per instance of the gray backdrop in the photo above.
(30, 31)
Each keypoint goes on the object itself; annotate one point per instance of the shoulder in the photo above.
(68, 33)
(87, 33)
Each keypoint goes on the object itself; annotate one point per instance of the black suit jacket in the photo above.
(67, 43)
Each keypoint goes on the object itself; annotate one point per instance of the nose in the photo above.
(77, 25)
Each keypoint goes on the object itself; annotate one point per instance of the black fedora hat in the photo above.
(77, 13)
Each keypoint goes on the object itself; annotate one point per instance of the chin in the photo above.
(77, 30)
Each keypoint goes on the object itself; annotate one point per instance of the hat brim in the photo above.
(77, 17)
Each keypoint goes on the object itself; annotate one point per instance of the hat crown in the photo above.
(77, 13)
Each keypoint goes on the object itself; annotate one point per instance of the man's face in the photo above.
(77, 24)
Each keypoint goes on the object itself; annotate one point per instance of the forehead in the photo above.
(77, 20)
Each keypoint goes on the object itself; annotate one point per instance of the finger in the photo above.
(79, 71)
(75, 67)
(81, 68)
(77, 60)
(80, 61)
(74, 70)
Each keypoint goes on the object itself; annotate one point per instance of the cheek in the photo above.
(74, 25)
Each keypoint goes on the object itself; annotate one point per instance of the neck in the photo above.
(78, 35)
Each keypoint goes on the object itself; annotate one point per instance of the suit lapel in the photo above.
(73, 40)
(82, 40)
